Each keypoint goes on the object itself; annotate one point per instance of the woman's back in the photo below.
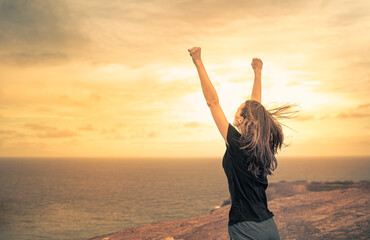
(248, 193)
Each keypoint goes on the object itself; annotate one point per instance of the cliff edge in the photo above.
(303, 210)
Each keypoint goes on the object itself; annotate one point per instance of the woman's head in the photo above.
(261, 135)
(247, 110)
(238, 119)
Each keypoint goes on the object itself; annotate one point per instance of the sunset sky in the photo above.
(114, 78)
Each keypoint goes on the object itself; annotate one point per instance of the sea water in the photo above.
(71, 198)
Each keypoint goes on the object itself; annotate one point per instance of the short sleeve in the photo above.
(232, 138)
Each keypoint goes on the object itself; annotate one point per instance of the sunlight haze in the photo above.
(115, 79)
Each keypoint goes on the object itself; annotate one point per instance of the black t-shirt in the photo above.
(248, 193)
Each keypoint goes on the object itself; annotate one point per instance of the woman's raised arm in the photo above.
(257, 68)
(210, 94)
(209, 91)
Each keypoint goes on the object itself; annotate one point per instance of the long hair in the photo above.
(262, 135)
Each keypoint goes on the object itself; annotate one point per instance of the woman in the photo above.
(249, 155)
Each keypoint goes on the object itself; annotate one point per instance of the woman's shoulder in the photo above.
(233, 130)
(233, 137)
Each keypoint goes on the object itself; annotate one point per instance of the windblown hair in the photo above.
(262, 136)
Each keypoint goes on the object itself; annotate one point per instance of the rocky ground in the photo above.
(303, 210)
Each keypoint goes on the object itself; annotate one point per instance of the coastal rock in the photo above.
(303, 210)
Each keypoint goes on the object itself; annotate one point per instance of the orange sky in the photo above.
(114, 79)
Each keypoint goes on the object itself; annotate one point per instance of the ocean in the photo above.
(79, 198)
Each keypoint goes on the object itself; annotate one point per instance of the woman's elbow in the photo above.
(212, 102)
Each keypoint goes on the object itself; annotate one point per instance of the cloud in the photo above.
(305, 117)
(38, 31)
(113, 130)
(87, 127)
(38, 127)
(7, 134)
(153, 134)
(148, 70)
(66, 100)
(108, 131)
(23, 58)
(50, 132)
(95, 96)
(361, 111)
(354, 12)
(118, 136)
(151, 31)
(363, 106)
(192, 124)
(353, 115)
(58, 31)
(57, 134)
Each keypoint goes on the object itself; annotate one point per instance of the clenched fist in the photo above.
(257, 64)
(195, 54)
